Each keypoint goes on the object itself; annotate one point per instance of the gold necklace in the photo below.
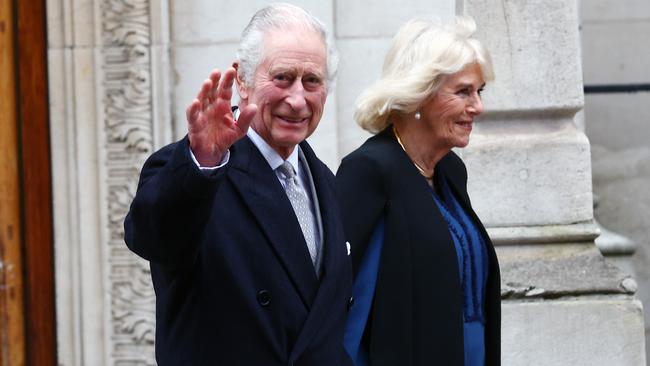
(422, 171)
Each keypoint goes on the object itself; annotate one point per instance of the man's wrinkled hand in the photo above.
(211, 125)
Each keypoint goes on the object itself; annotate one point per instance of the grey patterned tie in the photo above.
(300, 203)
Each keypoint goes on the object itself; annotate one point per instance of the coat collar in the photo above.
(335, 269)
(261, 191)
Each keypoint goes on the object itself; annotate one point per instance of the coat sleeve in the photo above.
(171, 207)
(363, 199)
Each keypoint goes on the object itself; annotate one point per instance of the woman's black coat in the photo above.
(416, 317)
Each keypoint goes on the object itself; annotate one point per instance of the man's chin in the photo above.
(290, 137)
(284, 143)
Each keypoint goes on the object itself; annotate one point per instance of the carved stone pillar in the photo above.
(110, 108)
(530, 181)
(126, 139)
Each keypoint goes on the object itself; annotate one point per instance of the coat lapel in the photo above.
(461, 192)
(334, 253)
(261, 191)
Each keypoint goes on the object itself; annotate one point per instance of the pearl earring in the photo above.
(418, 115)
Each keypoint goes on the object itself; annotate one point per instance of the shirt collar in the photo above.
(272, 157)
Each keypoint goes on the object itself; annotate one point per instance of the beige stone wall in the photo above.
(615, 39)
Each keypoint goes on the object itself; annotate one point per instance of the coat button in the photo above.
(264, 297)
(350, 302)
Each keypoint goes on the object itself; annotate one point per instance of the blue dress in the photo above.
(472, 258)
(473, 269)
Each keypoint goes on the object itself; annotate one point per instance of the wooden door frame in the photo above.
(12, 325)
(32, 155)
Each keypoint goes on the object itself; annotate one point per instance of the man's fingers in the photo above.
(215, 76)
(192, 111)
(225, 87)
(246, 115)
(205, 94)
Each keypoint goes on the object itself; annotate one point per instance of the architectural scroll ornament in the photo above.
(128, 141)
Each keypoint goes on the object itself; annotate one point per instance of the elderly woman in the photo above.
(427, 287)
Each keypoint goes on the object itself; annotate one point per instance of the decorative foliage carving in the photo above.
(128, 99)
(132, 306)
(125, 22)
(128, 140)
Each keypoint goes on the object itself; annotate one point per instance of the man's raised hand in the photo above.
(211, 126)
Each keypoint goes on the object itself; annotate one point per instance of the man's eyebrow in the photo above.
(281, 69)
(291, 69)
(316, 73)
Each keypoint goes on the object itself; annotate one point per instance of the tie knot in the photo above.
(287, 170)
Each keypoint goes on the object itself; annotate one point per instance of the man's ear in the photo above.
(239, 81)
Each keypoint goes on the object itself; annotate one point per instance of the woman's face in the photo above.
(450, 112)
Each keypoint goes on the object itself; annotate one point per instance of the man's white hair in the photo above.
(279, 16)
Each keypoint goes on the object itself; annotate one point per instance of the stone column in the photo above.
(109, 87)
(530, 181)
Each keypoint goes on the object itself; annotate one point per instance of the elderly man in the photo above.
(240, 224)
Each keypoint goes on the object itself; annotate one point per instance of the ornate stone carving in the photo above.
(126, 22)
(128, 140)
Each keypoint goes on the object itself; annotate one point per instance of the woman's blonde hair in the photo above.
(421, 54)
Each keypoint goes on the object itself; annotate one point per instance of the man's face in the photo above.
(289, 88)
